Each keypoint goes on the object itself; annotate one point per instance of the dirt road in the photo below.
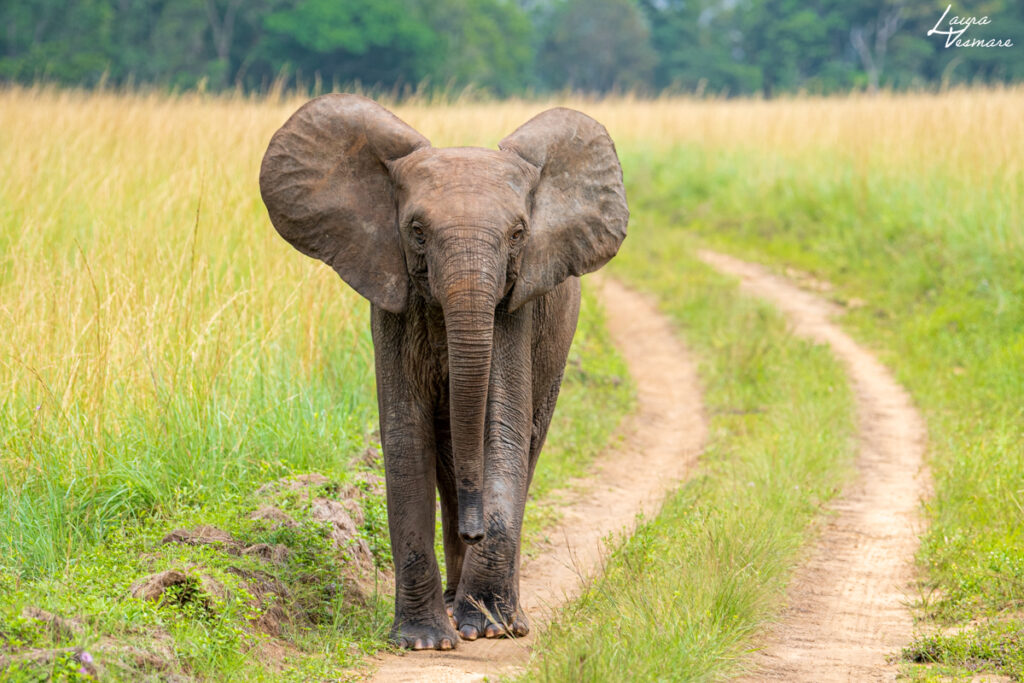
(846, 604)
(661, 442)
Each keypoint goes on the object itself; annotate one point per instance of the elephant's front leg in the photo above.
(487, 600)
(407, 437)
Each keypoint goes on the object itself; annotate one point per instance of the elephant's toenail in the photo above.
(468, 632)
(446, 644)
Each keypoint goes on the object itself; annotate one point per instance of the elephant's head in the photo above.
(468, 229)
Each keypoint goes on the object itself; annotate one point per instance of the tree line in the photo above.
(506, 47)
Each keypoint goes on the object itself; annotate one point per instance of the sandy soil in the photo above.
(846, 612)
(660, 443)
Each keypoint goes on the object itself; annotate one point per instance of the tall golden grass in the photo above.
(136, 258)
(135, 253)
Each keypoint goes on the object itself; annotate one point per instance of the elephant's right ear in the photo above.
(327, 189)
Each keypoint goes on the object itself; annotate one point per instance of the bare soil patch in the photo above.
(847, 603)
(660, 443)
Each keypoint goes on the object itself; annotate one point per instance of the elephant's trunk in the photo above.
(469, 319)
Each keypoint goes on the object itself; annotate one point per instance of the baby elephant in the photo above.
(471, 259)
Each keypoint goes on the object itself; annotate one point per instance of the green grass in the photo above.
(188, 445)
(936, 259)
(961, 653)
(682, 597)
(194, 631)
(336, 628)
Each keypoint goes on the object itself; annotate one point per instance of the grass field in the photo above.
(165, 353)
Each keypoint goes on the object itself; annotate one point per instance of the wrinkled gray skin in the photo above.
(470, 258)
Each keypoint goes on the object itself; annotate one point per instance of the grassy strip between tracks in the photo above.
(681, 598)
(929, 261)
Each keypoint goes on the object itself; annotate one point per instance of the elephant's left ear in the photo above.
(579, 212)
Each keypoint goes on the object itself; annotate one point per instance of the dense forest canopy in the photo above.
(506, 47)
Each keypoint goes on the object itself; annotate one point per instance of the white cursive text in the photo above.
(954, 35)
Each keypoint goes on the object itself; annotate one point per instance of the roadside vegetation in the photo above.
(170, 370)
(911, 207)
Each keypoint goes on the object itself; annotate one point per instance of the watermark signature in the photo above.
(956, 27)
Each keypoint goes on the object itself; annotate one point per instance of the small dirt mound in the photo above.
(180, 587)
(63, 629)
(152, 587)
(315, 485)
(275, 516)
(298, 484)
(344, 518)
(371, 457)
(152, 658)
(201, 535)
(371, 482)
(274, 553)
(338, 505)
(269, 593)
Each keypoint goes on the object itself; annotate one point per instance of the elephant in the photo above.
(471, 259)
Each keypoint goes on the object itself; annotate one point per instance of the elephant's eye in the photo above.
(417, 233)
(517, 235)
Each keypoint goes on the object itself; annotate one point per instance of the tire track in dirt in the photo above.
(660, 443)
(847, 610)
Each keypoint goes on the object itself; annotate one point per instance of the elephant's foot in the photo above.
(432, 634)
(490, 617)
